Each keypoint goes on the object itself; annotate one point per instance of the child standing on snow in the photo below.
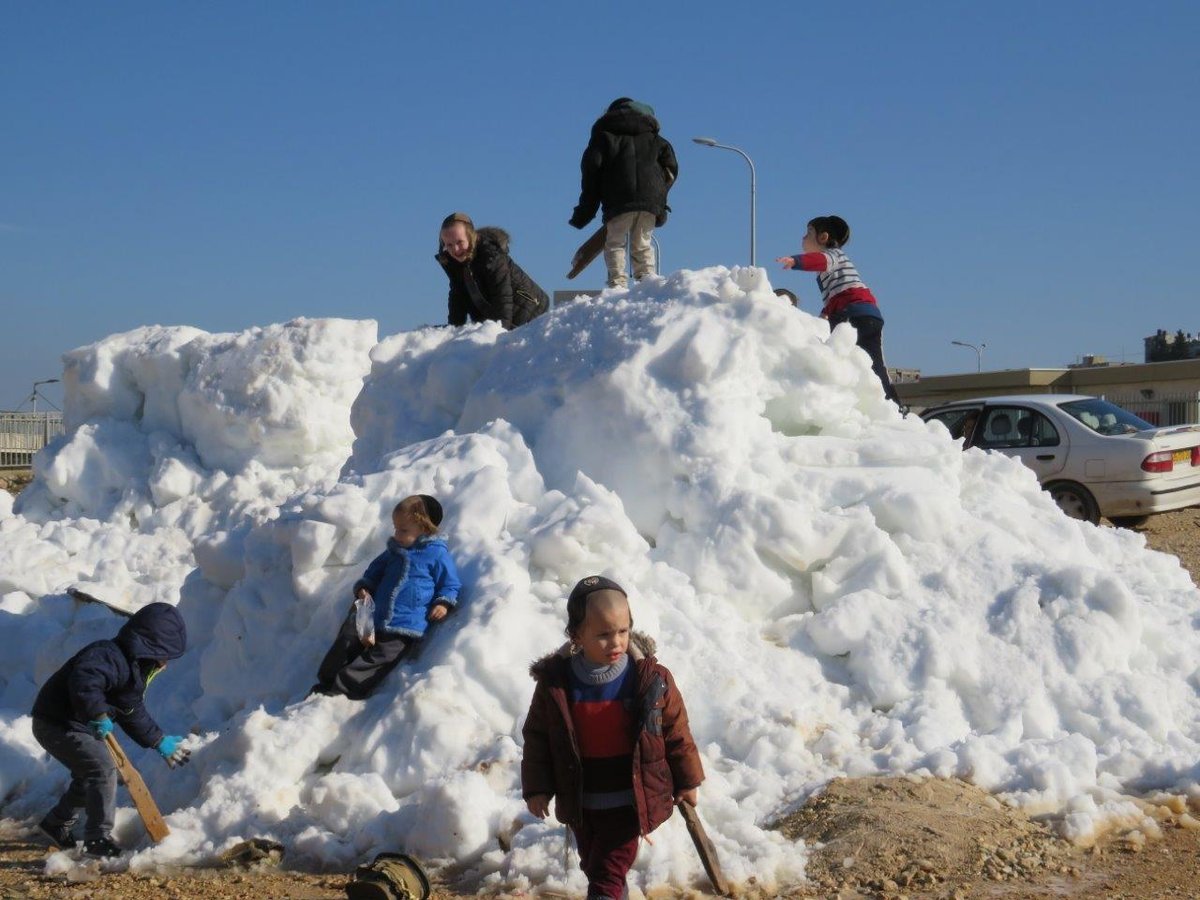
(626, 171)
(607, 735)
(74, 711)
(846, 298)
(412, 583)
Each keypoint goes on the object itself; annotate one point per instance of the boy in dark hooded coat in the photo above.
(74, 712)
(627, 168)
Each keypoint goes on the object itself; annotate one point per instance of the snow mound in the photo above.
(837, 589)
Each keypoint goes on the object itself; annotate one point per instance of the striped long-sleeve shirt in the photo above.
(843, 292)
(600, 699)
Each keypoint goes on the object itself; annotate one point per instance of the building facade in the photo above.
(1163, 393)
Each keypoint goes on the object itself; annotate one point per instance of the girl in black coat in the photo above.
(485, 283)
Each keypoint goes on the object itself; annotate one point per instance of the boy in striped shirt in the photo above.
(844, 295)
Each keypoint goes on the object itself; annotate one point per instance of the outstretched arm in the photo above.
(808, 262)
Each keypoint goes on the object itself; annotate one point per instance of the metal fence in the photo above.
(1161, 409)
(23, 434)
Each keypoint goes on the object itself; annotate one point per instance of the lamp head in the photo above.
(705, 141)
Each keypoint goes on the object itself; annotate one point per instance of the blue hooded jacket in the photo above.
(105, 678)
(406, 582)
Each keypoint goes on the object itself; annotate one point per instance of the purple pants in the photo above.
(608, 845)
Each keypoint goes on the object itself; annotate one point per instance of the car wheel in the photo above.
(1075, 500)
(1128, 521)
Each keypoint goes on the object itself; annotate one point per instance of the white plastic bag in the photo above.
(364, 618)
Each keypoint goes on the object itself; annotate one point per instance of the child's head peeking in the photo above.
(598, 620)
(415, 517)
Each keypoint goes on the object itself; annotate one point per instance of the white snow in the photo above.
(837, 589)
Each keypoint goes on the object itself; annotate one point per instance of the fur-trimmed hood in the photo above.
(498, 236)
(632, 118)
(641, 646)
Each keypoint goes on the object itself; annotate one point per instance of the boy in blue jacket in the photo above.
(74, 712)
(412, 583)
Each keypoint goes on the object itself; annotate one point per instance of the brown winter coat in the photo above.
(665, 759)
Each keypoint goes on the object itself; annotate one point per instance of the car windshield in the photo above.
(1104, 417)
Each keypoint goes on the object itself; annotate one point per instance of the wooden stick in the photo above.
(146, 807)
(704, 847)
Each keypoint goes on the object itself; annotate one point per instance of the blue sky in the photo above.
(1020, 174)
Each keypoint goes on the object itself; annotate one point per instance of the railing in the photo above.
(1163, 409)
(23, 434)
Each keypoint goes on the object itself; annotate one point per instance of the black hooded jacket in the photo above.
(627, 166)
(105, 678)
(490, 286)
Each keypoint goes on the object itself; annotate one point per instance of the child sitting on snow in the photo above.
(846, 298)
(74, 711)
(606, 694)
(412, 583)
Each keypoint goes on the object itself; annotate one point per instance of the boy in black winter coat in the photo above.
(74, 712)
(627, 168)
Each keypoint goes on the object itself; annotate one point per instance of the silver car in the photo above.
(1094, 458)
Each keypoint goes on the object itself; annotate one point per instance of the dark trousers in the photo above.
(354, 670)
(608, 845)
(93, 785)
(870, 338)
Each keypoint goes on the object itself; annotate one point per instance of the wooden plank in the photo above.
(704, 847)
(84, 597)
(588, 251)
(156, 827)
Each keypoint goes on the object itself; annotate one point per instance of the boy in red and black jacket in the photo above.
(607, 736)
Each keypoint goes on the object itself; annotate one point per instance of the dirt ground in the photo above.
(887, 838)
(12, 480)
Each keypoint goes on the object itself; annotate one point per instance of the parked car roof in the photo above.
(1019, 398)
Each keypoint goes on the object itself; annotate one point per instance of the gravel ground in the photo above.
(873, 837)
(1177, 533)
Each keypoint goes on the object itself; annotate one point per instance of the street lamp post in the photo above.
(709, 142)
(33, 397)
(978, 352)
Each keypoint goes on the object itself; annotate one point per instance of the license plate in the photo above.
(1182, 456)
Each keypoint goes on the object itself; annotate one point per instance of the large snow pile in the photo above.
(838, 590)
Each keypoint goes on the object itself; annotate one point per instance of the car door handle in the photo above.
(1045, 456)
